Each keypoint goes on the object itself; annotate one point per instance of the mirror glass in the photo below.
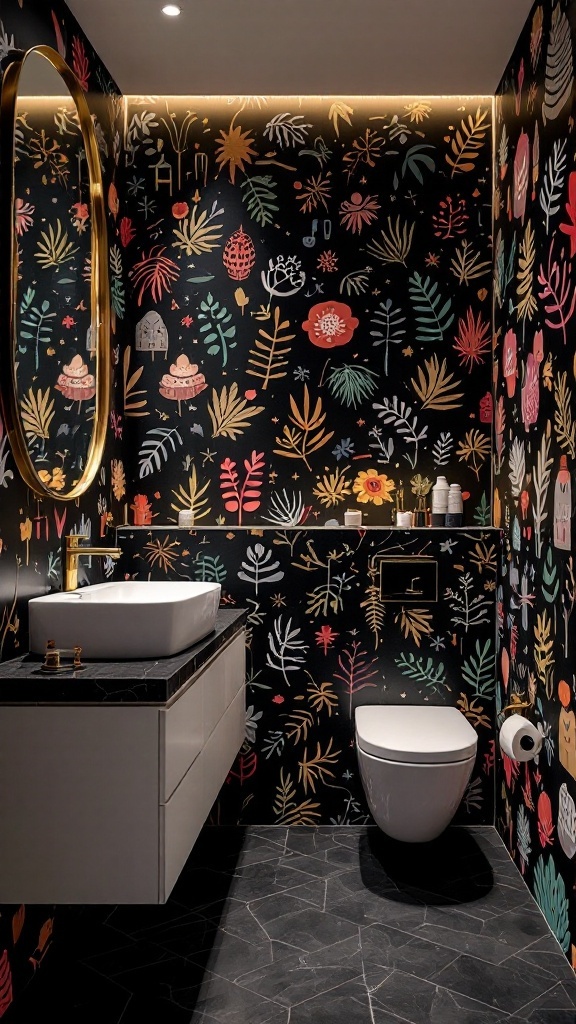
(54, 336)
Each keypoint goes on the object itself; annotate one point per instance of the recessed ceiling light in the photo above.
(172, 10)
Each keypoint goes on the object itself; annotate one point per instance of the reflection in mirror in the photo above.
(55, 356)
(55, 307)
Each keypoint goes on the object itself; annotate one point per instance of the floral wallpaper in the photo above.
(321, 641)
(302, 295)
(535, 448)
(32, 530)
(309, 306)
(55, 354)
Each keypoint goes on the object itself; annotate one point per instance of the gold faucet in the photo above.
(73, 551)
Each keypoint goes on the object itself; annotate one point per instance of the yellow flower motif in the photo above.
(118, 478)
(373, 486)
(56, 480)
(234, 149)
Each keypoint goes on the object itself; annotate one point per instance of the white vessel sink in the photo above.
(128, 619)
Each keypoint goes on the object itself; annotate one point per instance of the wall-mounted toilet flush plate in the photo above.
(407, 580)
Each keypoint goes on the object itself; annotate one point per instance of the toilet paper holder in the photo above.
(516, 704)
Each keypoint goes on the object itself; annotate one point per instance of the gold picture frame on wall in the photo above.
(99, 284)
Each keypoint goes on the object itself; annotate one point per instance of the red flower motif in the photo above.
(545, 823)
(325, 637)
(187, 321)
(127, 231)
(68, 322)
(486, 407)
(278, 699)
(180, 210)
(570, 228)
(330, 324)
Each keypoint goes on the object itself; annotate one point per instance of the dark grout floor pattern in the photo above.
(317, 926)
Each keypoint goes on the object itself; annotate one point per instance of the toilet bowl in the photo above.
(415, 763)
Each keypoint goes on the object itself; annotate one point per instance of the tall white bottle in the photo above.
(439, 501)
(455, 513)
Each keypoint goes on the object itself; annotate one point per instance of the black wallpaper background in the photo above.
(535, 449)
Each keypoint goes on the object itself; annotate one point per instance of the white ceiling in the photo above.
(300, 47)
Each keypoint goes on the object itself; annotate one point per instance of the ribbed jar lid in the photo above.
(418, 735)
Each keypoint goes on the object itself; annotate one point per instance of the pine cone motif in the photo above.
(239, 255)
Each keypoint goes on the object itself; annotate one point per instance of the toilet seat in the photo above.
(415, 734)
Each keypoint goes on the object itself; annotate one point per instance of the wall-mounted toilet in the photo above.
(415, 763)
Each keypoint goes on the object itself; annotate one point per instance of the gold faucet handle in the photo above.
(73, 539)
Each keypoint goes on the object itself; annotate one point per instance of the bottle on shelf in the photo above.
(455, 510)
(439, 501)
(186, 518)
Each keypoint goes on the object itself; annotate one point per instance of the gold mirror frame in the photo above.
(99, 291)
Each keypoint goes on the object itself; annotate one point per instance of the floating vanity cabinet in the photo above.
(102, 802)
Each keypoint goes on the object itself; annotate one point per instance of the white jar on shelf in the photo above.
(186, 518)
(455, 511)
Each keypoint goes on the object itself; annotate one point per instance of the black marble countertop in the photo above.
(152, 681)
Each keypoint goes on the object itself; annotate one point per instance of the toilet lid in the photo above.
(421, 735)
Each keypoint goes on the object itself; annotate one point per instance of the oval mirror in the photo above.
(55, 313)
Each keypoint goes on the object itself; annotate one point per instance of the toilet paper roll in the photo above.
(519, 739)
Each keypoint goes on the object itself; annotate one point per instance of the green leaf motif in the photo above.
(434, 316)
(479, 672)
(550, 895)
(260, 198)
(550, 581)
(352, 385)
(415, 158)
(483, 512)
(422, 670)
(209, 569)
(217, 335)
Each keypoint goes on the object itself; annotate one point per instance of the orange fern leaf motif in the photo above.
(18, 923)
(127, 231)
(80, 62)
(472, 341)
(242, 497)
(60, 44)
(44, 942)
(155, 273)
(6, 995)
(511, 771)
(244, 766)
(356, 672)
(451, 218)
(570, 227)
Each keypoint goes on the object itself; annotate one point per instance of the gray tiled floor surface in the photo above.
(320, 925)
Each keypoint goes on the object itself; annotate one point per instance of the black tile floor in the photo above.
(323, 925)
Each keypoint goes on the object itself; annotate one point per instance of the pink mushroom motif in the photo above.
(183, 382)
(76, 382)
